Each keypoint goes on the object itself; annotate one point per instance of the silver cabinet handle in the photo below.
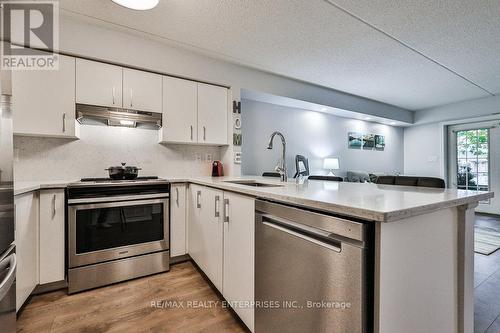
(217, 199)
(204, 133)
(198, 203)
(113, 92)
(64, 122)
(131, 97)
(177, 193)
(226, 210)
(54, 206)
(9, 278)
(191, 132)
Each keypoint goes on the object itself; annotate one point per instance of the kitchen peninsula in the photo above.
(422, 244)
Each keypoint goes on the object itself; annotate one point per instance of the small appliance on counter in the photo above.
(217, 170)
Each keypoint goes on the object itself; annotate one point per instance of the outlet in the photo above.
(209, 158)
(197, 158)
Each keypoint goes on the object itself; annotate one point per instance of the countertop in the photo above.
(367, 201)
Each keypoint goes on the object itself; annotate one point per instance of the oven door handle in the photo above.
(118, 204)
(118, 198)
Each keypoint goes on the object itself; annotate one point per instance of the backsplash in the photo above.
(100, 147)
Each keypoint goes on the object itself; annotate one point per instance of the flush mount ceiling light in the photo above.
(137, 4)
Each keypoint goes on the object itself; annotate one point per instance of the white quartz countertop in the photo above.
(383, 203)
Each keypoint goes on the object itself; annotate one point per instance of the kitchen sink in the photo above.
(252, 183)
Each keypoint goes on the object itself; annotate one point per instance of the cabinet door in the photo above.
(142, 90)
(98, 84)
(180, 110)
(212, 114)
(26, 246)
(239, 223)
(178, 220)
(205, 232)
(51, 236)
(44, 101)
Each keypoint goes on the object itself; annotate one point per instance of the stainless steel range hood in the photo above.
(101, 115)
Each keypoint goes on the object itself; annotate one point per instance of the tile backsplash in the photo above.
(100, 147)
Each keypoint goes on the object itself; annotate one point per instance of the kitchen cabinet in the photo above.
(212, 114)
(98, 83)
(44, 101)
(238, 274)
(51, 236)
(205, 231)
(178, 220)
(221, 242)
(26, 239)
(180, 111)
(142, 90)
(194, 113)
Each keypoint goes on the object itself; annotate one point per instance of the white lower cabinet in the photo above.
(221, 242)
(205, 232)
(51, 236)
(178, 220)
(26, 239)
(238, 276)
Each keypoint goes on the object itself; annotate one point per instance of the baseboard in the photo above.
(48, 287)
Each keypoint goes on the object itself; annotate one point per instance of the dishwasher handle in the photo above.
(313, 235)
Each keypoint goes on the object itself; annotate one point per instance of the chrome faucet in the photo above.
(281, 167)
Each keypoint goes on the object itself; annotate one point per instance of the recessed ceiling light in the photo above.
(393, 123)
(323, 109)
(137, 4)
(368, 118)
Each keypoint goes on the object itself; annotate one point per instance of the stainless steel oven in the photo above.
(116, 232)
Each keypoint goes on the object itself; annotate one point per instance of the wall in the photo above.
(100, 147)
(422, 150)
(314, 135)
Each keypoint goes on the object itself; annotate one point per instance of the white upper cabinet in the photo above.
(212, 114)
(142, 90)
(98, 83)
(180, 111)
(44, 101)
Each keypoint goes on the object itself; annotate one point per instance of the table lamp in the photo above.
(331, 163)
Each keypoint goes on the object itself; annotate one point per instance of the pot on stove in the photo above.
(123, 172)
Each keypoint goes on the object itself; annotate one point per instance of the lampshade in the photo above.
(331, 163)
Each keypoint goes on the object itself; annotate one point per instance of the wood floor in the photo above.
(487, 285)
(126, 307)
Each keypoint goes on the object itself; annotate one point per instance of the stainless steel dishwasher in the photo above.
(312, 272)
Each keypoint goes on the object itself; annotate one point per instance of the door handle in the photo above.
(7, 282)
(191, 132)
(54, 211)
(113, 92)
(217, 199)
(226, 210)
(198, 203)
(204, 133)
(64, 122)
(177, 193)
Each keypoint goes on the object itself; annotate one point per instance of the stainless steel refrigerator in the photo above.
(7, 248)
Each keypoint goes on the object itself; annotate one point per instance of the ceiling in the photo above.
(412, 54)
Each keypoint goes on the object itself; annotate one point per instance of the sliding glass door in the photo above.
(474, 152)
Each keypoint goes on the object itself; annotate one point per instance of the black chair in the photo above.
(304, 170)
(431, 182)
(271, 174)
(330, 178)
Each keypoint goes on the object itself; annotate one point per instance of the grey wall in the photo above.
(422, 150)
(315, 135)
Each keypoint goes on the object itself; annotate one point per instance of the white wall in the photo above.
(315, 135)
(100, 147)
(422, 150)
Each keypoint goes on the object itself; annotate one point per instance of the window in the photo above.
(473, 159)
